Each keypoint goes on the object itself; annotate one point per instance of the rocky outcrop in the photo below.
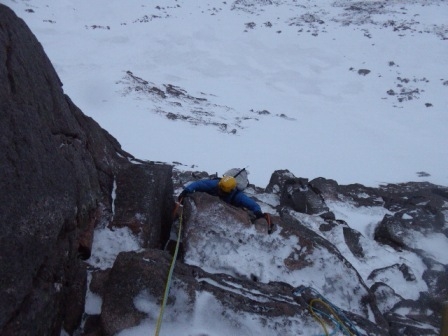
(196, 294)
(298, 194)
(57, 175)
(416, 220)
(211, 224)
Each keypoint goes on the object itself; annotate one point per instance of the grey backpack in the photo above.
(240, 176)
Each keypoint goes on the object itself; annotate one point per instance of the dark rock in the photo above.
(401, 229)
(57, 169)
(277, 181)
(419, 317)
(418, 214)
(99, 278)
(404, 269)
(401, 325)
(303, 196)
(408, 275)
(328, 216)
(351, 238)
(363, 72)
(436, 277)
(409, 317)
(75, 299)
(144, 202)
(326, 188)
(390, 232)
(360, 195)
(92, 326)
(118, 310)
(437, 281)
(311, 240)
(97, 218)
(418, 194)
(296, 194)
(328, 226)
(386, 298)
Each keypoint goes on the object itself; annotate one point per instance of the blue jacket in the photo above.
(235, 197)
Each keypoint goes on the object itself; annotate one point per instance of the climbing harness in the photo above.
(170, 273)
(332, 313)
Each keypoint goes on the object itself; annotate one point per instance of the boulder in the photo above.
(297, 194)
(277, 181)
(327, 188)
(352, 239)
(411, 225)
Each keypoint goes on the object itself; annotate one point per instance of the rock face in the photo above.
(416, 219)
(210, 225)
(57, 174)
(144, 202)
(196, 293)
(243, 271)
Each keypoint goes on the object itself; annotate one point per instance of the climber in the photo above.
(226, 189)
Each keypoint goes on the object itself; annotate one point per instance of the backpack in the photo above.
(240, 176)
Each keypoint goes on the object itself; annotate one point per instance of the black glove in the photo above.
(259, 215)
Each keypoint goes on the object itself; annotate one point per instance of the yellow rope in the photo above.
(170, 275)
(331, 310)
(317, 317)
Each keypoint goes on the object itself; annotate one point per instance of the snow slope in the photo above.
(353, 91)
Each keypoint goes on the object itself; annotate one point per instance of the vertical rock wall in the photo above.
(57, 170)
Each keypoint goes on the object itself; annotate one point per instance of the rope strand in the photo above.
(170, 275)
(334, 314)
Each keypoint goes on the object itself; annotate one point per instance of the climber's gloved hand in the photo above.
(259, 215)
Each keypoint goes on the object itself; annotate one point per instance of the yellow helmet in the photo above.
(227, 184)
